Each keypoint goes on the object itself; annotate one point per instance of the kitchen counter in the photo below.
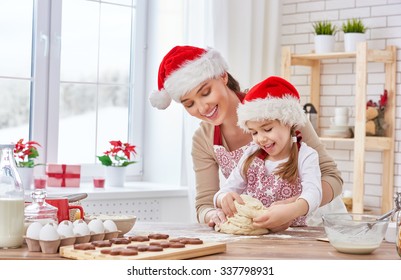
(294, 243)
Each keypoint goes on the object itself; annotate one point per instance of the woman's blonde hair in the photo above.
(287, 170)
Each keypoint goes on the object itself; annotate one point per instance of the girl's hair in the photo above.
(287, 170)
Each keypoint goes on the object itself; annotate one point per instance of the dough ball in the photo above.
(241, 222)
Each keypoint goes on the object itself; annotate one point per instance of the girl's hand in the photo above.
(227, 203)
(283, 227)
(217, 216)
(275, 218)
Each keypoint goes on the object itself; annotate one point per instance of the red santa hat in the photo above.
(182, 69)
(271, 99)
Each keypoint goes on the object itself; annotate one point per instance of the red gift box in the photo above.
(63, 175)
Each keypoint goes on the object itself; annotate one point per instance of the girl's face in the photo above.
(271, 136)
(209, 101)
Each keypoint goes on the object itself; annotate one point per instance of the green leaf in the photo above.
(126, 163)
(105, 160)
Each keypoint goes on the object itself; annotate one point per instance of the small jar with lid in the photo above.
(39, 210)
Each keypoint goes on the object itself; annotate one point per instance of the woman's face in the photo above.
(271, 136)
(209, 101)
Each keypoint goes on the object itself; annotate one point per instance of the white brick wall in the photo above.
(383, 18)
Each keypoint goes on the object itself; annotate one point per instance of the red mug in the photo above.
(63, 207)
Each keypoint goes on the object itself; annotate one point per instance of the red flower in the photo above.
(24, 153)
(382, 101)
(118, 155)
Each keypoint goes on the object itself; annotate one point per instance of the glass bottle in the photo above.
(39, 210)
(398, 221)
(11, 200)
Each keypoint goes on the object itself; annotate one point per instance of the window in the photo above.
(16, 21)
(69, 78)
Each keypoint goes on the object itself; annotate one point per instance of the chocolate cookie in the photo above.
(139, 238)
(84, 246)
(177, 245)
(155, 248)
(120, 240)
(158, 236)
(128, 252)
(101, 243)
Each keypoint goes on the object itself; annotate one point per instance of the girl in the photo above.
(277, 167)
(198, 79)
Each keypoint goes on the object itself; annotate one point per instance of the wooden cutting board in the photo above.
(190, 251)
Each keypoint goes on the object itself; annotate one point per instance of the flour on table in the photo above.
(241, 222)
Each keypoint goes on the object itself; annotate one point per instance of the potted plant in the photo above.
(324, 36)
(116, 159)
(25, 155)
(354, 33)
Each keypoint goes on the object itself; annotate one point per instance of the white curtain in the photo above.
(247, 35)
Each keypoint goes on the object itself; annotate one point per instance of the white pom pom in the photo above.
(160, 99)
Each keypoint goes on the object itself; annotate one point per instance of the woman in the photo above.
(198, 79)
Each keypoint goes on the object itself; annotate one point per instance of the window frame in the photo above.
(45, 90)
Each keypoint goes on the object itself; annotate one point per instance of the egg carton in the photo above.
(48, 240)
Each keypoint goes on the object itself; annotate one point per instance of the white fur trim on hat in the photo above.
(286, 109)
(160, 99)
(210, 65)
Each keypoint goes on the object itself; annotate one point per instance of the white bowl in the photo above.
(124, 223)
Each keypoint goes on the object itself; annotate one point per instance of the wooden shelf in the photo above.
(371, 143)
(361, 142)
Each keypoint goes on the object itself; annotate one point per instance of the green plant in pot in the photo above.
(354, 33)
(324, 36)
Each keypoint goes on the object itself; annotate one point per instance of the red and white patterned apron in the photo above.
(266, 188)
(270, 188)
(227, 160)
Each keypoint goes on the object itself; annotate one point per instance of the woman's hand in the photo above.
(216, 217)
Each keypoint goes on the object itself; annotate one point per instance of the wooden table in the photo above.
(294, 243)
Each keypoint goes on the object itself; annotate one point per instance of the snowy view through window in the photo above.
(94, 62)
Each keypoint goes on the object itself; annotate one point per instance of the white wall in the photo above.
(384, 28)
(163, 128)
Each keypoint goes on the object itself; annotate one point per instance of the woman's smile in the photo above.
(211, 114)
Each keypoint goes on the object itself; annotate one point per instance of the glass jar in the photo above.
(398, 237)
(11, 200)
(39, 210)
(398, 223)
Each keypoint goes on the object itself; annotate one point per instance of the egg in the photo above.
(78, 222)
(34, 230)
(67, 222)
(109, 226)
(65, 229)
(96, 226)
(81, 229)
(48, 233)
